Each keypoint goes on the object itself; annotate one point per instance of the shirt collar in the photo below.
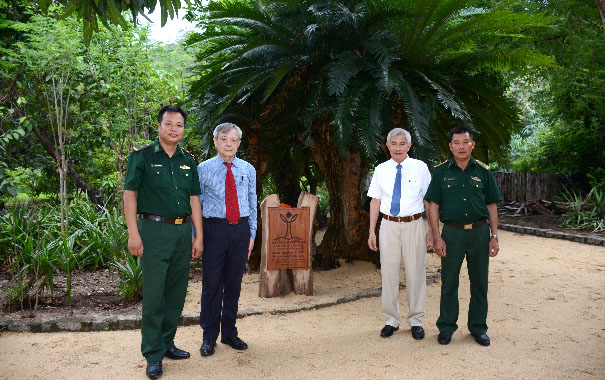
(157, 147)
(453, 162)
(235, 162)
(394, 163)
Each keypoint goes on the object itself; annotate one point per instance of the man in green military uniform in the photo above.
(162, 187)
(463, 194)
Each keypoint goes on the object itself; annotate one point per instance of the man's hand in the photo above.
(197, 247)
(439, 246)
(372, 241)
(135, 244)
(493, 247)
(250, 247)
(429, 241)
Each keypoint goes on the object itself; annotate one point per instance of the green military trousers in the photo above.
(475, 245)
(166, 258)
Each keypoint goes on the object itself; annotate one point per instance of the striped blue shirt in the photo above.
(212, 175)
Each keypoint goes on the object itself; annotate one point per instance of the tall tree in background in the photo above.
(343, 73)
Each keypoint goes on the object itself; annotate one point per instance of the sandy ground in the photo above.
(546, 318)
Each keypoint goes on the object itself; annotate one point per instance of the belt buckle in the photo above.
(178, 221)
(468, 226)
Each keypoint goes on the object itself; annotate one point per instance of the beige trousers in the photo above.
(407, 241)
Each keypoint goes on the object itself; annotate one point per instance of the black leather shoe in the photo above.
(482, 339)
(235, 343)
(176, 354)
(387, 331)
(207, 348)
(417, 332)
(154, 370)
(444, 338)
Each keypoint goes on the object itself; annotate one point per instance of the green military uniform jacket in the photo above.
(462, 196)
(164, 184)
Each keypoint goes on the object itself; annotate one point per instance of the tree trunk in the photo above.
(287, 182)
(601, 5)
(347, 233)
(257, 156)
(93, 194)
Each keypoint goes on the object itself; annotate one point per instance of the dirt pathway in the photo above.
(546, 318)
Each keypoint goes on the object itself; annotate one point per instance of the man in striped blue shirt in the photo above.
(228, 197)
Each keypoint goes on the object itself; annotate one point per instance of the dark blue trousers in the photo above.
(223, 263)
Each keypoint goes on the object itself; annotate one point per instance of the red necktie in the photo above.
(231, 203)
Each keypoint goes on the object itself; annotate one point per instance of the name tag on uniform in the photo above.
(476, 179)
(157, 165)
(445, 179)
(184, 167)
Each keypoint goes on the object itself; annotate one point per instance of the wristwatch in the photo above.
(493, 237)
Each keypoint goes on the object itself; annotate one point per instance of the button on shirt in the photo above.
(164, 184)
(415, 179)
(463, 196)
(212, 175)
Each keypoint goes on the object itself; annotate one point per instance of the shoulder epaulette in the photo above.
(483, 165)
(443, 163)
(189, 153)
(142, 147)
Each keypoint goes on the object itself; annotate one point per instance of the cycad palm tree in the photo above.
(340, 74)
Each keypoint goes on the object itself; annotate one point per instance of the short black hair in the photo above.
(460, 129)
(171, 108)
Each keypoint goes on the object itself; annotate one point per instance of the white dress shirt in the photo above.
(415, 179)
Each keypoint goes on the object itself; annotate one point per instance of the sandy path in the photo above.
(547, 321)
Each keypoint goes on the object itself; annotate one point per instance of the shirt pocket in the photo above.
(449, 185)
(411, 187)
(158, 176)
(476, 184)
(183, 178)
(241, 183)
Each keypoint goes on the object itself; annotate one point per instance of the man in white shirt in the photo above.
(397, 191)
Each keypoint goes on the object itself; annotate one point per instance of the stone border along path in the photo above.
(133, 321)
(592, 239)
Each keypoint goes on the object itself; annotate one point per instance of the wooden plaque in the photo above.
(288, 242)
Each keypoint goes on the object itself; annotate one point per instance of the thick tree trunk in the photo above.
(257, 156)
(93, 194)
(601, 5)
(347, 233)
(287, 182)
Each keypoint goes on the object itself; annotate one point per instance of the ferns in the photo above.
(361, 67)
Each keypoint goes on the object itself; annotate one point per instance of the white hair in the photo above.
(225, 128)
(399, 131)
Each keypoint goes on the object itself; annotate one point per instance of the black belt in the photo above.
(402, 218)
(158, 218)
(466, 226)
(225, 221)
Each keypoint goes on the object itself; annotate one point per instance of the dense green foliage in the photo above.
(565, 105)
(587, 213)
(106, 96)
(110, 93)
(34, 250)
